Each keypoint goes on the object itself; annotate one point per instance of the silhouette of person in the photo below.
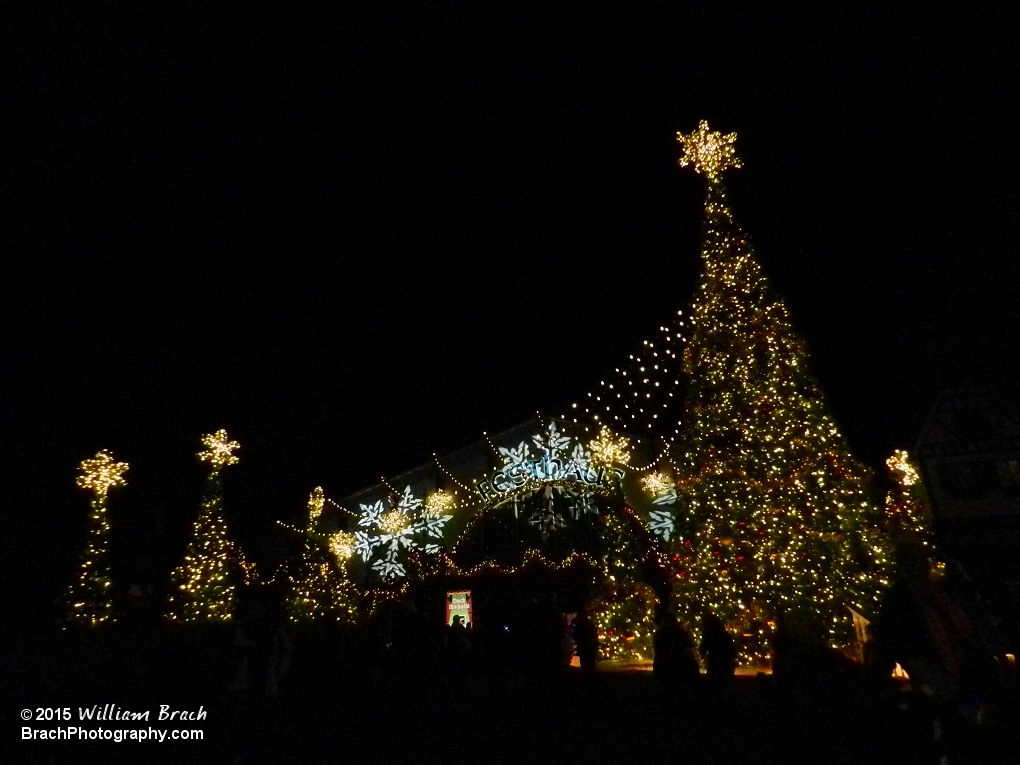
(718, 650)
(674, 665)
(586, 638)
(457, 645)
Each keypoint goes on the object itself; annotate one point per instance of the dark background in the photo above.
(358, 238)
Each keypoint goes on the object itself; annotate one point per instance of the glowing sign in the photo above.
(458, 603)
(548, 469)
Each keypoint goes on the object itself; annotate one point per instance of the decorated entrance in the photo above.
(705, 469)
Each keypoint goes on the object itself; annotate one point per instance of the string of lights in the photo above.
(644, 397)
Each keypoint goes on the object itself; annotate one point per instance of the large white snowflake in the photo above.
(578, 461)
(547, 517)
(515, 456)
(581, 502)
(668, 497)
(552, 442)
(662, 523)
(388, 534)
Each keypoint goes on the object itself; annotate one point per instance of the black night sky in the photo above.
(358, 238)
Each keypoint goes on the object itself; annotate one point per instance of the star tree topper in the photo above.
(219, 450)
(100, 473)
(709, 151)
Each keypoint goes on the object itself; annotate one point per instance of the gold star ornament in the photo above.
(100, 473)
(610, 450)
(709, 151)
(438, 503)
(342, 545)
(219, 449)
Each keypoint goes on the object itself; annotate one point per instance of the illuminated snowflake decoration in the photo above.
(547, 518)
(515, 456)
(609, 449)
(219, 450)
(662, 523)
(709, 151)
(658, 484)
(552, 442)
(100, 473)
(558, 459)
(388, 532)
(581, 502)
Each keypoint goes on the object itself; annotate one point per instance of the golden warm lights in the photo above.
(316, 501)
(709, 151)
(219, 450)
(394, 522)
(100, 473)
(205, 583)
(439, 503)
(342, 545)
(90, 596)
(899, 465)
(656, 483)
(778, 512)
(609, 449)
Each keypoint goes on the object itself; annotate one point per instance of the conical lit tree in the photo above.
(907, 516)
(624, 606)
(779, 509)
(90, 596)
(204, 586)
(321, 589)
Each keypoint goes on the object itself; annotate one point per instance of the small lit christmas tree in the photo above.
(907, 517)
(204, 586)
(778, 503)
(321, 589)
(90, 596)
(624, 607)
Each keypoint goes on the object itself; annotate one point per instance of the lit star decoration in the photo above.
(218, 450)
(608, 449)
(342, 545)
(709, 151)
(90, 596)
(656, 483)
(439, 503)
(100, 473)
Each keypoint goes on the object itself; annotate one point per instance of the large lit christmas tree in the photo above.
(204, 586)
(90, 597)
(778, 508)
